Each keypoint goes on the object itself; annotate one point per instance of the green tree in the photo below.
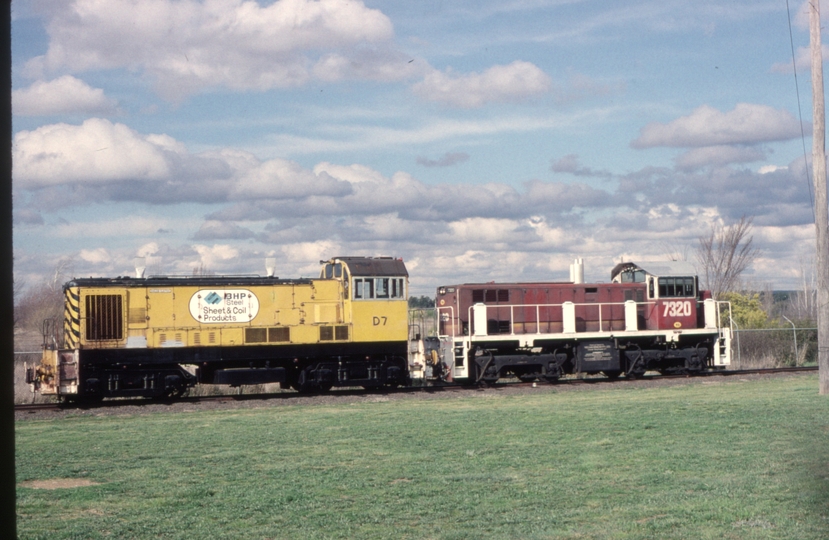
(421, 302)
(747, 310)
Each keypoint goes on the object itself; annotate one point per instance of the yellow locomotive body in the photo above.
(161, 335)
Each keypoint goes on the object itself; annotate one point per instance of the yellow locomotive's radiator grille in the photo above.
(256, 335)
(341, 333)
(331, 333)
(280, 334)
(104, 317)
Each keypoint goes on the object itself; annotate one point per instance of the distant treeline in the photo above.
(421, 302)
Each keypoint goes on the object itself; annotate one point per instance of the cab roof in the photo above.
(656, 268)
(374, 266)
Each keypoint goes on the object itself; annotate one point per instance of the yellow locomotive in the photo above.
(158, 336)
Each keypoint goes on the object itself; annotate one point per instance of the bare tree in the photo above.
(43, 301)
(803, 302)
(675, 252)
(202, 270)
(724, 254)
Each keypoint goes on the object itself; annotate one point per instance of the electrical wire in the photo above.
(800, 114)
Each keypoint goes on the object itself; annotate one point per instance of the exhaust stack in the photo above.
(140, 264)
(270, 266)
(577, 271)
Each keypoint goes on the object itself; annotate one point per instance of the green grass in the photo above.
(733, 459)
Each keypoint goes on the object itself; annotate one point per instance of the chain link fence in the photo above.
(773, 347)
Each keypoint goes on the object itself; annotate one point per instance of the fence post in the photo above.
(794, 331)
(739, 355)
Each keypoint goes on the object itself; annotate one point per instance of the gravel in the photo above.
(350, 396)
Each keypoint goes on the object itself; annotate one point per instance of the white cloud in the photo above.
(97, 151)
(706, 126)
(216, 230)
(283, 179)
(377, 65)
(717, 156)
(351, 137)
(64, 95)
(148, 249)
(766, 169)
(127, 226)
(310, 252)
(185, 46)
(95, 256)
(513, 82)
(355, 173)
(213, 258)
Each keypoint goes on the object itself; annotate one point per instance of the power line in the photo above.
(800, 115)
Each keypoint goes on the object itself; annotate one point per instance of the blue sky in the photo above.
(487, 140)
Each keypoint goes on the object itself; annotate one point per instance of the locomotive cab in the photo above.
(672, 292)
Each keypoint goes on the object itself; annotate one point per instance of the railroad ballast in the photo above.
(160, 336)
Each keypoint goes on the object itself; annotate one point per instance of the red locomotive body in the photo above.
(643, 319)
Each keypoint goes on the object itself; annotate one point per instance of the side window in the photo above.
(382, 287)
(676, 287)
(397, 288)
(358, 289)
(378, 288)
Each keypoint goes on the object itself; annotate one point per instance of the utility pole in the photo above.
(821, 207)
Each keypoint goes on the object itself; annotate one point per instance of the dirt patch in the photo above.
(59, 483)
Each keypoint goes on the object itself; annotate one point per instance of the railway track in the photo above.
(115, 403)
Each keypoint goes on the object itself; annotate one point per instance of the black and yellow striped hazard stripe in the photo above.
(72, 318)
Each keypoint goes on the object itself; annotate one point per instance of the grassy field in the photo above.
(720, 459)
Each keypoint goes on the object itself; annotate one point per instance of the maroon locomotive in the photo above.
(649, 317)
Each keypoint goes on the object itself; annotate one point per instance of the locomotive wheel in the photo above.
(614, 374)
(635, 373)
(302, 383)
(305, 383)
(175, 393)
(530, 377)
(491, 375)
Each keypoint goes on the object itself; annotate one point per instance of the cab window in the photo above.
(674, 287)
(382, 288)
(633, 276)
(333, 271)
(363, 288)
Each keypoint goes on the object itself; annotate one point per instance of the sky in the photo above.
(476, 140)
